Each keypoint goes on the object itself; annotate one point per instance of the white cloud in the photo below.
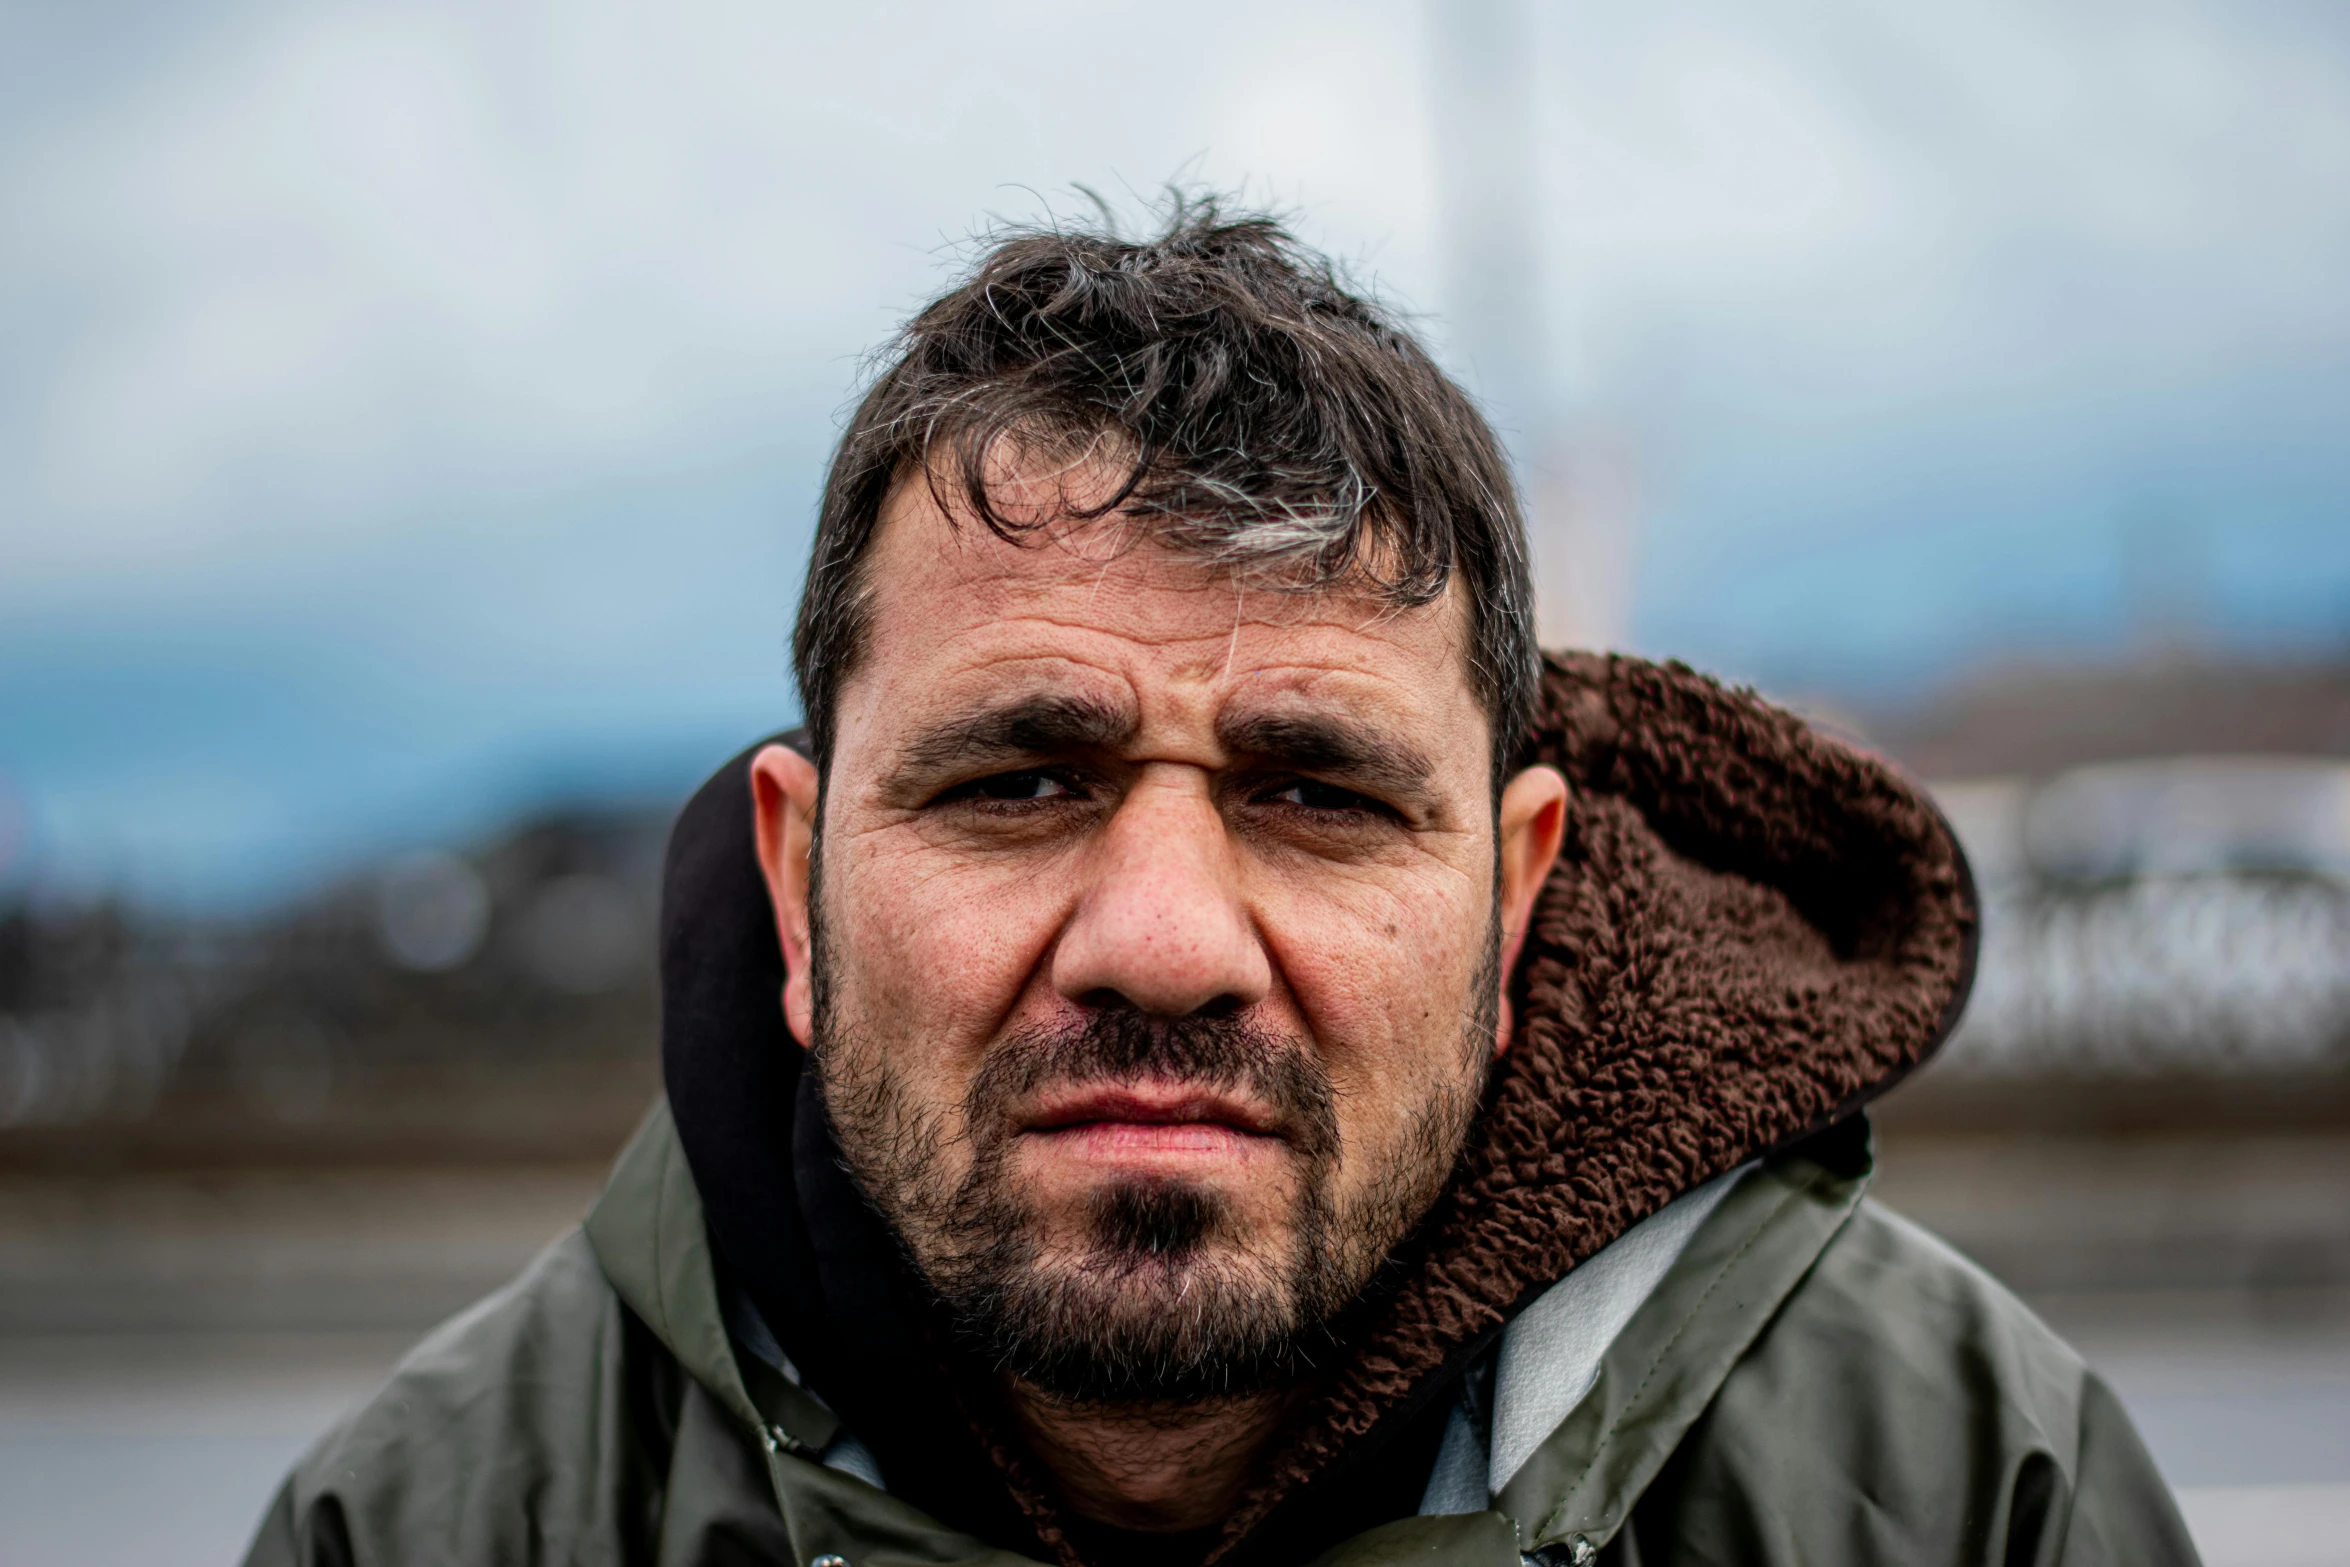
(345, 263)
(406, 247)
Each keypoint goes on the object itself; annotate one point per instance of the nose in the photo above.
(1161, 922)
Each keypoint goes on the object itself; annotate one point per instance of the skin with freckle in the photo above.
(1119, 1007)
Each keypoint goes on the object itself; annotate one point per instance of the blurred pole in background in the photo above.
(1505, 327)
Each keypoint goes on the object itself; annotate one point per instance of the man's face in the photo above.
(1154, 967)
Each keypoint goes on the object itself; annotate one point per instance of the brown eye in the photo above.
(1322, 797)
(1018, 787)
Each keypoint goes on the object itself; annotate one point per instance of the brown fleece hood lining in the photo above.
(1752, 930)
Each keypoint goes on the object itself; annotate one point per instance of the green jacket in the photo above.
(1651, 1320)
(1813, 1380)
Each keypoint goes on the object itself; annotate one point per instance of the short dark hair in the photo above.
(1265, 415)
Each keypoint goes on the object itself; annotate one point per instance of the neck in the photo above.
(1154, 1468)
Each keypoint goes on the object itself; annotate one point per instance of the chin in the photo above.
(1112, 1327)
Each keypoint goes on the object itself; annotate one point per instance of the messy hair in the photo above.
(1255, 411)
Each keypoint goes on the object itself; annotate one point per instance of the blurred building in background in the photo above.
(492, 1004)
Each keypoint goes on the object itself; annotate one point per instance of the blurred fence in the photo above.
(2204, 975)
(2183, 917)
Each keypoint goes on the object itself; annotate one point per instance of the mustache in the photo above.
(1120, 1043)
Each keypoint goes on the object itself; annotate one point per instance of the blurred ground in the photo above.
(179, 1337)
(2203, 1276)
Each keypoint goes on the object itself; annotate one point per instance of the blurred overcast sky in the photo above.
(408, 411)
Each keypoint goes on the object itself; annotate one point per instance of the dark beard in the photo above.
(1163, 1305)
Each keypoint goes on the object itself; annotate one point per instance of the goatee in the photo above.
(1168, 1298)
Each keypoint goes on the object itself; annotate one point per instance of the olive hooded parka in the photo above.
(1654, 1319)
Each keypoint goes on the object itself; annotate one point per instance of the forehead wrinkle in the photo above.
(998, 581)
(1239, 610)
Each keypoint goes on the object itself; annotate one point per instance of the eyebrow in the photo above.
(1333, 746)
(1047, 724)
(1038, 725)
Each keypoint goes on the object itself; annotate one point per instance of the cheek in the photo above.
(1382, 980)
(933, 958)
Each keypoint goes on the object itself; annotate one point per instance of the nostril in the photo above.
(1107, 998)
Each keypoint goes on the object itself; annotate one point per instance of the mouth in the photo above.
(1152, 1124)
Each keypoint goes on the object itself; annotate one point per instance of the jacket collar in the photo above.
(651, 1238)
(1661, 1371)
(1572, 1495)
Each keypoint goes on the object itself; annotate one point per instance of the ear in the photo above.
(1533, 822)
(783, 810)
